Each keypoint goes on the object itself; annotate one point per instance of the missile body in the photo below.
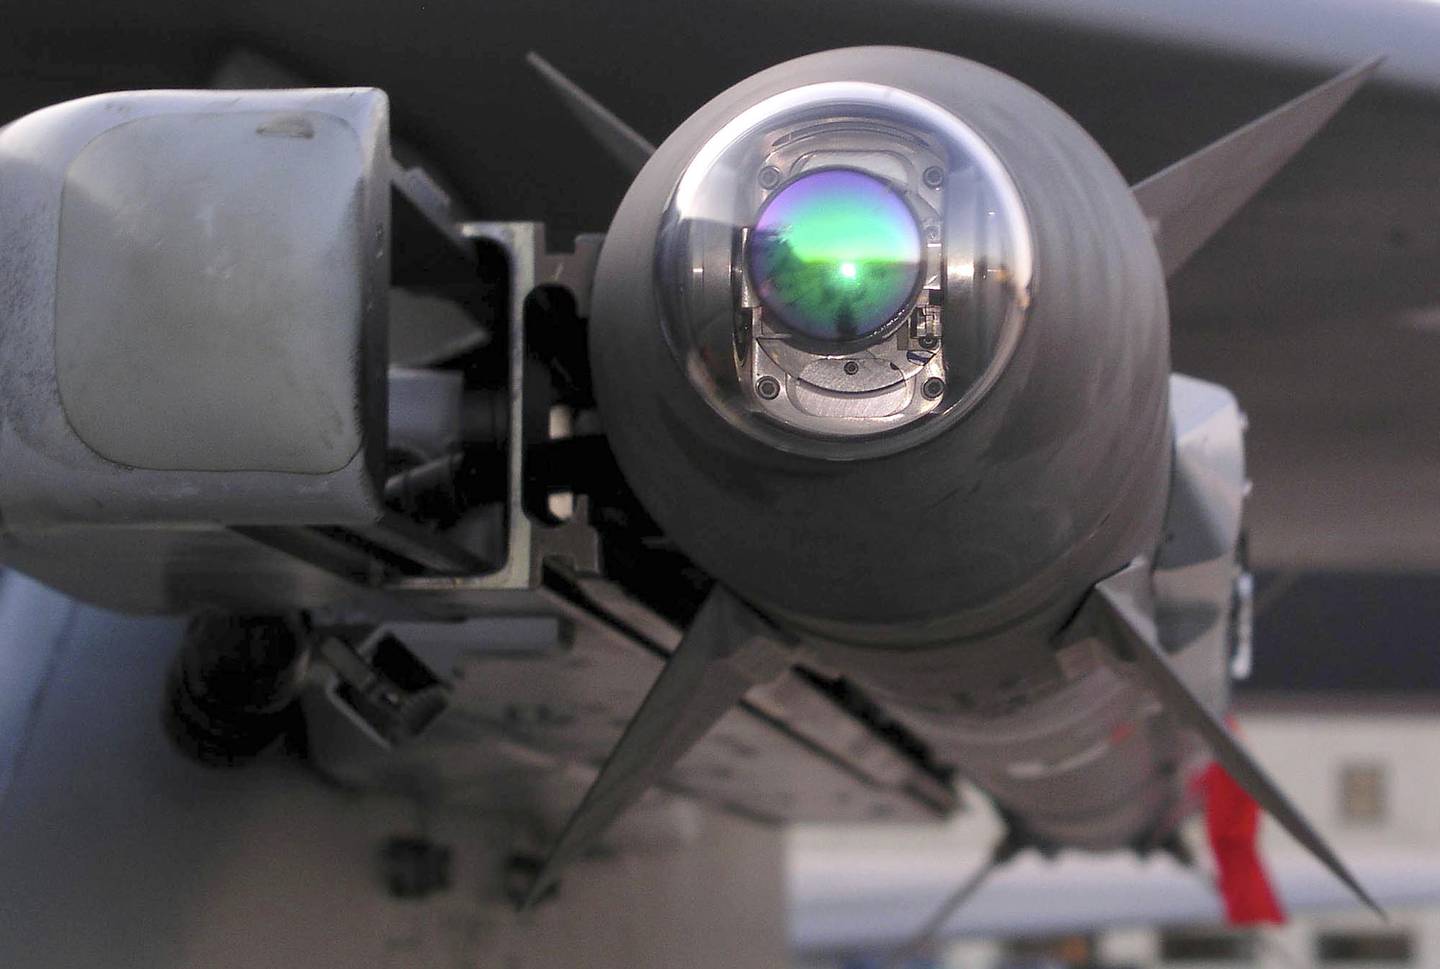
(938, 574)
(879, 337)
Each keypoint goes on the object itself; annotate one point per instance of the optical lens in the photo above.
(835, 255)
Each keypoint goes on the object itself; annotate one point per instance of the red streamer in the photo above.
(1232, 820)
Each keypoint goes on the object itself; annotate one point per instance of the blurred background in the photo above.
(1319, 306)
(1362, 764)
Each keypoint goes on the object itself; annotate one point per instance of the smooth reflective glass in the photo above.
(836, 255)
(843, 268)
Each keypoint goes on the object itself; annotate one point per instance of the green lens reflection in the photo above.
(835, 255)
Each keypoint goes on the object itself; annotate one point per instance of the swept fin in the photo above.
(622, 142)
(728, 649)
(1122, 603)
(1189, 201)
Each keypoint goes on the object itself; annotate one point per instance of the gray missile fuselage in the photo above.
(939, 576)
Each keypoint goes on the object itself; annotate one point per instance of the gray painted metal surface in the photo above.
(521, 729)
(1190, 200)
(727, 650)
(224, 386)
(980, 655)
(942, 597)
(541, 691)
(1008, 512)
(1121, 605)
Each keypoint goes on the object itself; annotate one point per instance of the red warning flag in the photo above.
(1232, 820)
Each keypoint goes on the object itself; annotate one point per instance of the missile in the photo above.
(880, 338)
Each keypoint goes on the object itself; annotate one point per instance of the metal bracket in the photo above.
(575, 271)
(528, 543)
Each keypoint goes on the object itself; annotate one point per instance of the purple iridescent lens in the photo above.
(835, 255)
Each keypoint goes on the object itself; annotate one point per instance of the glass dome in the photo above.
(844, 269)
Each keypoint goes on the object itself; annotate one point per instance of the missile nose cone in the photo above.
(879, 337)
(843, 270)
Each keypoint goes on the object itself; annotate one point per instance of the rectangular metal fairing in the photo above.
(193, 329)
